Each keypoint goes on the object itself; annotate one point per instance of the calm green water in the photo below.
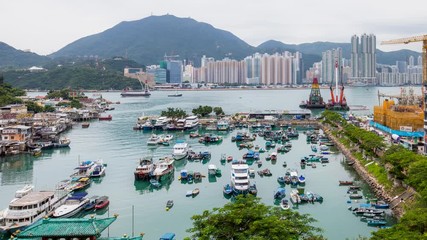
(120, 147)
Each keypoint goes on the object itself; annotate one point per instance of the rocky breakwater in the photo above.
(373, 183)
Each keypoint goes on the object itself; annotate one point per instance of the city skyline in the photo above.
(45, 26)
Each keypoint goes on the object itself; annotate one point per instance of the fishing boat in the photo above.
(62, 142)
(295, 198)
(195, 192)
(79, 184)
(345, 183)
(284, 204)
(163, 167)
(105, 118)
(30, 208)
(280, 193)
(314, 148)
(301, 180)
(180, 150)
(84, 169)
(227, 189)
(102, 202)
(376, 223)
(294, 177)
(355, 196)
(229, 158)
(145, 168)
(71, 206)
(169, 205)
(212, 169)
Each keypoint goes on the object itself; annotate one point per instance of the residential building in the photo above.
(363, 59)
(17, 133)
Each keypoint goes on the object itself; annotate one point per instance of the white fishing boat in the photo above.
(71, 206)
(212, 169)
(180, 150)
(145, 168)
(84, 169)
(163, 167)
(30, 208)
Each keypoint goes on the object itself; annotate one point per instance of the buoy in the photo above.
(167, 209)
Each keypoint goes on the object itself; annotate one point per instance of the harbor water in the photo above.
(143, 209)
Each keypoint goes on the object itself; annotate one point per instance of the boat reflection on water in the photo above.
(17, 169)
(146, 187)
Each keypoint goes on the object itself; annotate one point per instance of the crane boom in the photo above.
(406, 40)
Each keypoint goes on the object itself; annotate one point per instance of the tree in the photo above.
(34, 107)
(76, 104)
(218, 111)
(248, 218)
(174, 113)
(202, 111)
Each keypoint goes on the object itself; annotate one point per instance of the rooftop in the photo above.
(32, 198)
(67, 227)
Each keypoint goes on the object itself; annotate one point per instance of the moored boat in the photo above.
(169, 205)
(102, 202)
(72, 205)
(99, 169)
(62, 142)
(284, 204)
(345, 183)
(145, 169)
(163, 167)
(280, 193)
(180, 150)
(227, 189)
(30, 208)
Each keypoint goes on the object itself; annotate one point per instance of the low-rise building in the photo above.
(17, 133)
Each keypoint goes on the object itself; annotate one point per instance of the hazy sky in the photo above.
(45, 26)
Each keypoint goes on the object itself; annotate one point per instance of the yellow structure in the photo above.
(399, 117)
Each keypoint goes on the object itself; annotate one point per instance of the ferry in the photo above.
(180, 150)
(240, 177)
(30, 208)
(191, 122)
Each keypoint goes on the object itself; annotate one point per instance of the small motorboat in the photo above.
(227, 189)
(102, 202)
(169, 205)
(301, 180)
(91, 204)
(85, 124)
(195, 192)
(284, 204)
(345, 183)
(105, 118)
(230, 158)
(284, 164)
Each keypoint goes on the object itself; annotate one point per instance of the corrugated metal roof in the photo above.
(67, 227)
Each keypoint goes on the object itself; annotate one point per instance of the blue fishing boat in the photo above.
(280, 193)
(227, 189)
(301, 179)
(376, 223)
(184, 174)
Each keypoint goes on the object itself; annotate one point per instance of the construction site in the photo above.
(404, 115)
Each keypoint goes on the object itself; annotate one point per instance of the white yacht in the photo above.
(84, 169)
(71, 206)
(180, 150)
(240, 177)
(191, 122)
(22, 192)
(154, 140)
(161, 123)
(30, 208)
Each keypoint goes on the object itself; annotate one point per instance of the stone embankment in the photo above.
(377, 188)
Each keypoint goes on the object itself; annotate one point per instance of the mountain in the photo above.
(148, 40)
(11, 57)
(79, 74)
